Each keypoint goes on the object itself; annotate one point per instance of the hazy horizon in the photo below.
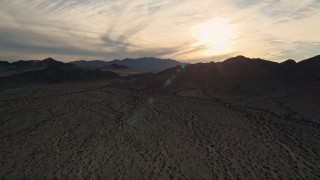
(181, 61)
(187, 31)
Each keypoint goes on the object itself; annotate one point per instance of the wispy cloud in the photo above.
(109, 29)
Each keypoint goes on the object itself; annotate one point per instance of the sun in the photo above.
(217, 34)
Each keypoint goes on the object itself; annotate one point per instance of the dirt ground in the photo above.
(101, 131)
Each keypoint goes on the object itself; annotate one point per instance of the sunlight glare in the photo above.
(217, 34)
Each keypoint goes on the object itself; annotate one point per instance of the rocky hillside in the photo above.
(57, 72)
(238, 75)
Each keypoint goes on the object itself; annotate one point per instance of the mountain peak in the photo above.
(49, 59)
(289, 61)
(238, 58)
(51, 62)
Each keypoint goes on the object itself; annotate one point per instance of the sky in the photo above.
(185, 30)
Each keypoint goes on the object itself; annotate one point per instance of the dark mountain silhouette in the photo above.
(115, 67)
(57, 72)
(24, 64)
(289, 62)
(31, 63)
(50, 62)
(4, 63)
(308, 70)
(288, 65)
(90, 64)
(238, 75)
(141, 63)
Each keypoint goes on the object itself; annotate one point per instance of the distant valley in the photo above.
(147, 63)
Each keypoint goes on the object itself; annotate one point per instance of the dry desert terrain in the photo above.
(103, 130)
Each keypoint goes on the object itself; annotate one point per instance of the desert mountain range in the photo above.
(235, 75)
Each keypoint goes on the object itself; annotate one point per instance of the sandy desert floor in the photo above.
(101, 131)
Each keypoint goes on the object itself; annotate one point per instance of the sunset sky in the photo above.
(185, 30)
